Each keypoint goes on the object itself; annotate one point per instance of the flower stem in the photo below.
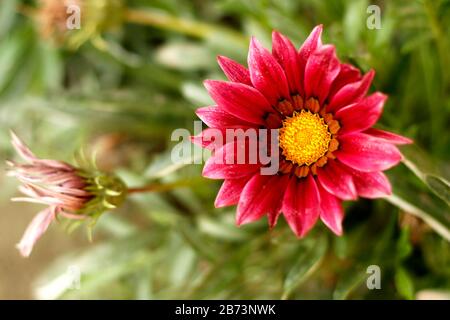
(192, 28)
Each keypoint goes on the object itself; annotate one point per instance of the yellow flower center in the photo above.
(304, 138)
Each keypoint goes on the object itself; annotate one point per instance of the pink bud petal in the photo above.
(35, 230)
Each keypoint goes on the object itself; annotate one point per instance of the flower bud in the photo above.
(73, 22)
(75, 193)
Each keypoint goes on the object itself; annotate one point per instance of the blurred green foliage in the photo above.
(125, 89)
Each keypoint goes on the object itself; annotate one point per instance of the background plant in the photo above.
(122, 90)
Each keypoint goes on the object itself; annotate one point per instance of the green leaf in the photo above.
(404, 247)
(184, 56)
(100, 266)
(353, 276)
(349, 281)
(197, 241)
(436, 252)
(439, 186)
(10, 52)
(116, 225)
(411, 197)
(221, 229)
(307, 262)
(183, 261)
(354, 20)
(404, 283)
(7, 15)
(424, 168)
(51, 66)
(436, 219)
(341, 247)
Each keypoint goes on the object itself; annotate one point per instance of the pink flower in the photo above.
(329, 151)
(68, 191)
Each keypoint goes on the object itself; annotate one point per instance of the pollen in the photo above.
(304, 138)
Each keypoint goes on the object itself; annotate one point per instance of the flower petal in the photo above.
(361, 115)
(331, 212)
(285, 53)
(231, 162)
(215, 117)
(266, 74)
(363, 152)
(25, 152)
(234, 71)
(371, 185)
(35, 230)
(388, 136)
(347, 74)
(239, 100)
(278, 190)
(22, 149)
(311, 44)
(352, 92)
(230, 191)
(337, 181)
(321, 69)
(301, 205)
(261, 195)
(208, 138)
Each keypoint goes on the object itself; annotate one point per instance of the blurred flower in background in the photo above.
(53, 16)
(61, 20)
